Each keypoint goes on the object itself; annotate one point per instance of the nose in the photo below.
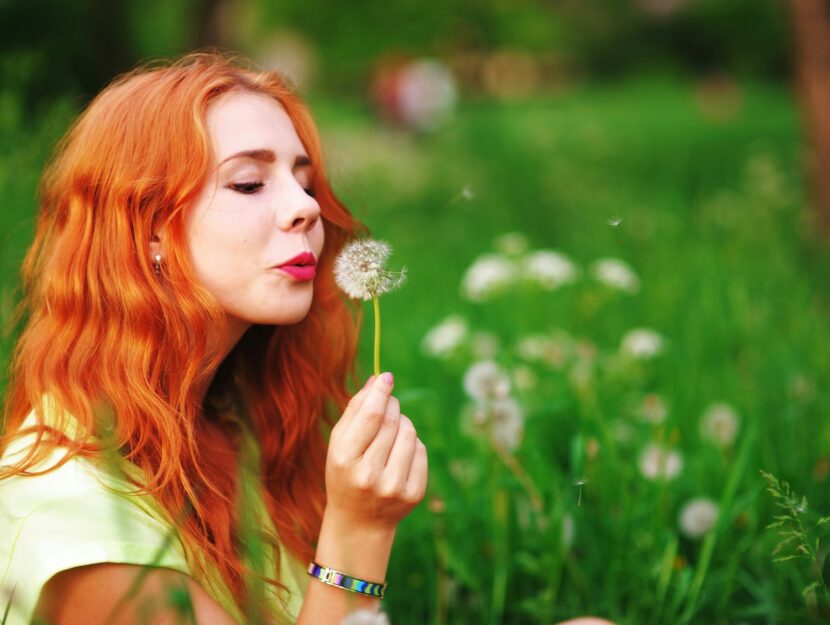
(298, 211)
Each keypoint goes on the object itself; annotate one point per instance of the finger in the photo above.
(377, 453)
(416, 485)
(351, 409)
(364, 425)
(396, 473)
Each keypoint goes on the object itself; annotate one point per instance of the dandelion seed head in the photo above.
(659, 463)
(549, 269)
(642, 343)
(359, 269)
(653, 409)
(506, 423)
(485, 381)
(445, 337)
(616, 274)
(719, 425)
(698, 517)
(365, 617)
(488, 275)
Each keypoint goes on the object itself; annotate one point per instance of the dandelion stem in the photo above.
(376, 302)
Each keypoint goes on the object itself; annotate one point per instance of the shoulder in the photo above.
(73, 515)
(135, 595)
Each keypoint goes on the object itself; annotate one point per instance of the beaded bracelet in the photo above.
(346, 582)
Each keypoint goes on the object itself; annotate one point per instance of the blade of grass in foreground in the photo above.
(708, 549)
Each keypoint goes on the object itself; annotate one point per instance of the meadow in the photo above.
(617, 314)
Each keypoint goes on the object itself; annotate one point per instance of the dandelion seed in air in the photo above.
(359, 271)
(614, 221)
(579, 483)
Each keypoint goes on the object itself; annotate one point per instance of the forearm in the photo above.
(361, 553)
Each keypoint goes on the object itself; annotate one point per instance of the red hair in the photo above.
(105, 333)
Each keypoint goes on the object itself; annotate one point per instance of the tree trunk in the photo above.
(811, 20)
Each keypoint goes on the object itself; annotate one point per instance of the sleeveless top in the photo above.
(84, 513)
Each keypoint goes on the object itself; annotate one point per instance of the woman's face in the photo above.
(254, 214)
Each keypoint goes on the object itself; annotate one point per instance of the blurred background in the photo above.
(615, 335)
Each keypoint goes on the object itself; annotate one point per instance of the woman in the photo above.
(170, 447)
(185, 355)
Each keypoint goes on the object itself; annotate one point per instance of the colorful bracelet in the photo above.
(341, 580)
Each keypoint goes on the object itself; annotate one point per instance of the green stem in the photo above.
(376, 303)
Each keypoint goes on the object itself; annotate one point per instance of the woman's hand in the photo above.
(376, 469)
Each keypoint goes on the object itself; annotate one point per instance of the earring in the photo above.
(157, 264)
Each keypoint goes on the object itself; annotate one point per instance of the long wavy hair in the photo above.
(105, 335)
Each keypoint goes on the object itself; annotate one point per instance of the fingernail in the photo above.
(388, 378)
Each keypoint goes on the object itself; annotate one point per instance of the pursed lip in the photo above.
(302, 259)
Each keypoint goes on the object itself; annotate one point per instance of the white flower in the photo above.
(549, 269)
(720, 425)
(441, 340)
(359, 271)
(511, 243)
(485, 381)
(641, 343)
(365, 617)
(506, 423)
(541, 348)
(659, 463)
(698, 517)
(489, 274)
(616, 274)
(653, 409)
(484, 345)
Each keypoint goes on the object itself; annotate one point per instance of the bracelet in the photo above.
(346, 582)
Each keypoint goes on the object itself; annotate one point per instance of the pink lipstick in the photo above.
(302, 267)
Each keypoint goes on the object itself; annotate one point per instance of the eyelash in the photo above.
(258, 185)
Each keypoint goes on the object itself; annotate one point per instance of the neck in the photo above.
(236, 328)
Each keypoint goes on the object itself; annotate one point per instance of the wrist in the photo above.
(359, 550)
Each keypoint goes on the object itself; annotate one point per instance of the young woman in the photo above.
(179, 439)
(172, 450)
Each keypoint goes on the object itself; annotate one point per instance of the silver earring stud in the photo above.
(157, 264)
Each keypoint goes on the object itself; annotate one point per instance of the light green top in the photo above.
(81, 514)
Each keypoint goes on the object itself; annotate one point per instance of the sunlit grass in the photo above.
(709, 215)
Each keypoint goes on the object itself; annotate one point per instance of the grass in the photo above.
(733, 278)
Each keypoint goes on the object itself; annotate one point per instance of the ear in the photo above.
(158, 241)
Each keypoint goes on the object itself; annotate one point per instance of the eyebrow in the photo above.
(267, 156)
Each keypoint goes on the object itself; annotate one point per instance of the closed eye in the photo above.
(247, 188)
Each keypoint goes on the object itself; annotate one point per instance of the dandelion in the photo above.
(506, 421)
(653, 409)
(365, 617)
(719, 425)
(549, 269)
(441, 340)
(614, 221)
(641, 343)
(489, 274)
(698, 517)
(659, 463)
(485, 381)
(616, 274)
(511, 243)
(359, 271)
(552, 351)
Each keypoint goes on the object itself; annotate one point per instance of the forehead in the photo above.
(247, 121)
